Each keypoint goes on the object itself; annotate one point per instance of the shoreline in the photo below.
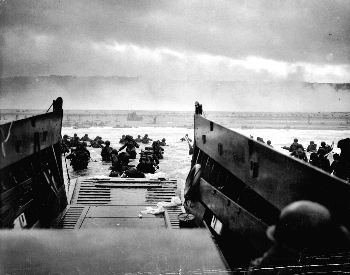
(272, 127)
(278, 121)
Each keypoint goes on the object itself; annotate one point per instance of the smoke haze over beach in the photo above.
(229, 55)
(109, 93)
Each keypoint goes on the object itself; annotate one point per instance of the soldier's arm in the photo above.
(121, 148)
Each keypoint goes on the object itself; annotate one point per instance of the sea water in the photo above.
(177, 161)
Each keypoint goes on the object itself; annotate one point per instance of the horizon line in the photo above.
(143, 110)
(168, 79)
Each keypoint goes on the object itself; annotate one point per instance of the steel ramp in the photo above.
(117, 202)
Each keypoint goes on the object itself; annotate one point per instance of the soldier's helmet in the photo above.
(107, 142)
(344, 143)
(128, 137)
(307, 225)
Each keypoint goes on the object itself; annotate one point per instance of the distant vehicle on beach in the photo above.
(134, 117)
(245, 127)
(122, 126)
(81, 127)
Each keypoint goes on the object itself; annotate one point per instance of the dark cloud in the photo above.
(79, 38)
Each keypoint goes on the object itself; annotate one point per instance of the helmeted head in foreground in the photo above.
(344, 144)
(306, 225)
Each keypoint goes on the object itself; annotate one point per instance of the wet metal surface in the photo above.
(101, 251)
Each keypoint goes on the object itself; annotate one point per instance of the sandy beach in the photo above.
(119, 119)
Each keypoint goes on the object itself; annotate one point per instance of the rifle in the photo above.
(189, 146)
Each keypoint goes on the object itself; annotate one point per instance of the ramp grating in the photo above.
(71, 217)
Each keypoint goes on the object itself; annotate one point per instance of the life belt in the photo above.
(192, 181)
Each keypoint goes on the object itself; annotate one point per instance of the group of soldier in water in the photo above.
(340, 166)
(319, 157)
(148, 162)
(149, 158)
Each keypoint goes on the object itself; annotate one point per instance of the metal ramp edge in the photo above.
(72, 218)
(171, 217)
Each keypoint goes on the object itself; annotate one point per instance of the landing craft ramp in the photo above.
(117, 202)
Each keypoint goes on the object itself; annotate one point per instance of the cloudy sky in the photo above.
(229, 40)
